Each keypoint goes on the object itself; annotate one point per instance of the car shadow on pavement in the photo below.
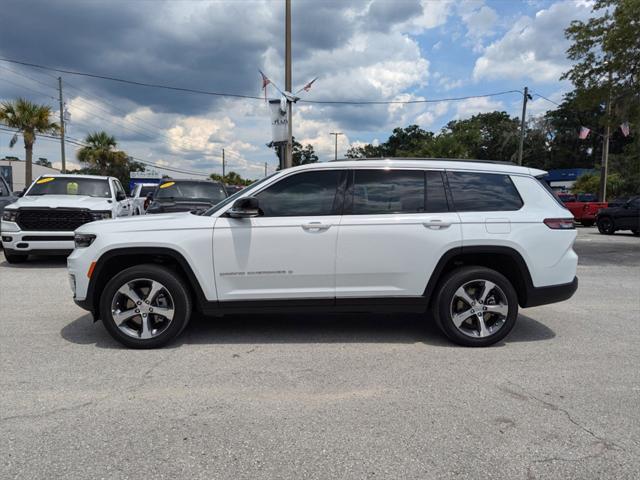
(283, 329)
(35, 261)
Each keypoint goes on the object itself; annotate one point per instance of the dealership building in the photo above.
(12, 170)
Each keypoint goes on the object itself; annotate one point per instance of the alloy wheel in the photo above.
(479, 308)
(142, 308)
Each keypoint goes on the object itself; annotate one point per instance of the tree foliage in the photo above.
(30, 119)
(231, 178)
(103, 158)
(300, 155)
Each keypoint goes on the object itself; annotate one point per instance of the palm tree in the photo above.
(100, 153)
(29, 119)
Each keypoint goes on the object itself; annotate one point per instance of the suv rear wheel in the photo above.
(475, 306)
(145, 306)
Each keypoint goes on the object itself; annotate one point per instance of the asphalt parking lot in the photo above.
(349, 396)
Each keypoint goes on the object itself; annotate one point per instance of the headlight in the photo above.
(100, 215)
(83, 240)
(9, 215)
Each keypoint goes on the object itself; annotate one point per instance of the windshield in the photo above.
(90, 187)
(210, 191)
(144, 191)
(236, 195)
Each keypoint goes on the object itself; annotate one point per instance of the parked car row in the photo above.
(43, 218)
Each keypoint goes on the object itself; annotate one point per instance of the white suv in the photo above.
(467, 241)
(42, 220)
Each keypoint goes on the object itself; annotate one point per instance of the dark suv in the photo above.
(175, 195)
(624, 217)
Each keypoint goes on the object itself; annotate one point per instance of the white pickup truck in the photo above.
(43, 220)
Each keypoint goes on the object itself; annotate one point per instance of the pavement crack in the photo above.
(47, 413)
(609, 445)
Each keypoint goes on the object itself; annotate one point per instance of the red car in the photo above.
(583, 206)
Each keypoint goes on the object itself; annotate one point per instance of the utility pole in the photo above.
(223, 166)
(335, 157)
(522, 123)
(288, 158)
(605, 149)
(62, 154)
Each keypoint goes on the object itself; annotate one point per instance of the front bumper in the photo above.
(20, 241)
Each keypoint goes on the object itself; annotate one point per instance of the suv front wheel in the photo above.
(145, 306)
(475, 306)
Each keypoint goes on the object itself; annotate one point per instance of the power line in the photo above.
(131, 82)
(252, 97)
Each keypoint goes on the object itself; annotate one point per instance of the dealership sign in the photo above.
(279, 120)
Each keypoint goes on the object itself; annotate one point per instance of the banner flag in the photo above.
(279, 121)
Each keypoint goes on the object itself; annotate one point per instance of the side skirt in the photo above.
(318, 305)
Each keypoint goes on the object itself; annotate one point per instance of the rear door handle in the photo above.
(436, 224)
(316, 226)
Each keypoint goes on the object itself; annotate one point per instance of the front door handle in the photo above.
(436, 224)
(316, 226)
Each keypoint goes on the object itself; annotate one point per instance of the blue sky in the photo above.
(360, 49)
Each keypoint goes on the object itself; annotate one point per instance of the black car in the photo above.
(625, 217)
(175, 195)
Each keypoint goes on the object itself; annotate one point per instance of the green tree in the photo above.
(590, 183)
(608, 43)
(102, 157)
(29, 119)
(300, 155)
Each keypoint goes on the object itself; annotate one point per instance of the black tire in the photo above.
(636, 232)
(15, 257)
(178, 294)
(606, 226)
(587, 223)
(445, 296)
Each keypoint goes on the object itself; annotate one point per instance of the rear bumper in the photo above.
(551, 294)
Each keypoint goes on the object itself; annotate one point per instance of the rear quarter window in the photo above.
(483, 192)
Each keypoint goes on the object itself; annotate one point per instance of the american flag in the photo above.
(265, 82)
(584, 133)
(625, 129)
(307, 87)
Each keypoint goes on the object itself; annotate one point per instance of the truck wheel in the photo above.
(475, 306)
(15, 257)
(145, 306)
(606, 226)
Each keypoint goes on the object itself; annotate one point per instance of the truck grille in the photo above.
(52, 219)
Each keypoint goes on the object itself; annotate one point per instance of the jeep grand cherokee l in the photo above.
(465, 242)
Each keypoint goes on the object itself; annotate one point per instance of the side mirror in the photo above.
(19, 193)
(120, 196)
(245, 207)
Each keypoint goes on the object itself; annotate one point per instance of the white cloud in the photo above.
(533, 48)
(473, 106)
(198, 134)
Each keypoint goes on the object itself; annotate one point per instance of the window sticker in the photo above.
(167, 185)
(72, 188)
(45, 180)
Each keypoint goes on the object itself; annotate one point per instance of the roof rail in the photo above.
(500, 162)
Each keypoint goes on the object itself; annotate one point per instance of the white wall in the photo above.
(18, 168)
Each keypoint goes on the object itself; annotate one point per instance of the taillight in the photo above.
(560, 223)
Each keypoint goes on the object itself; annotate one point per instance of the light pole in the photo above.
(335, 157)
(288, 157)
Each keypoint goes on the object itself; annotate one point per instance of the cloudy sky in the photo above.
(359, 49)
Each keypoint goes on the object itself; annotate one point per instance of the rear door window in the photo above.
(483, 192)
(388, 191)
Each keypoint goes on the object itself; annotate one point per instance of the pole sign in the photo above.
(279, 121)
